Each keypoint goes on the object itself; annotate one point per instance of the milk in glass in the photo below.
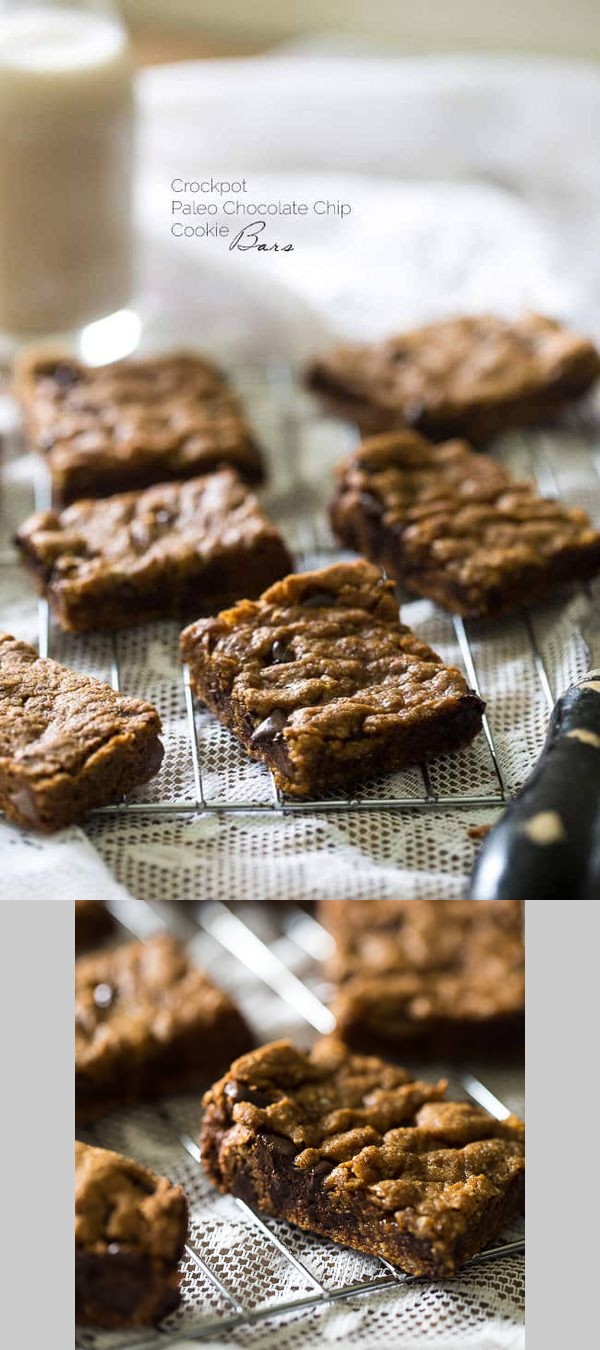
(66, 126)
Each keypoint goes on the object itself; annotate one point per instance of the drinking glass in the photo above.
(66, 169)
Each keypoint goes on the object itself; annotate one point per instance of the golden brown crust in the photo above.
(171, 549)
(428, 977)
(104, 429)
(148, 1022)
(473, 376)
(357, 1150)
(68, 743)
(130, 1231)
(456, 527)
(320, 680)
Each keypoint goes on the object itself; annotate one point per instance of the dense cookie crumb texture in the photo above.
(474, 376)
(355, 1149)
(174, 549)
(105, 429)
(68, 743)
(320, 680)
(148, 1022)
(428, 978)
(455, 526)
(130, 1232)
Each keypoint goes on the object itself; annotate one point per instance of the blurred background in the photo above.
(195, 28)
(461, 139)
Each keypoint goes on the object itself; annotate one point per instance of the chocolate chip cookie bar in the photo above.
(130, 1232)
(357, 1150)
(457, 527)
(105, 429)
(148, 1022)
(177, 548)
(428, 978)
(320, 681)
(68, 743)
(474, 376)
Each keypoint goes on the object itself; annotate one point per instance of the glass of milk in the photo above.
(66, 147)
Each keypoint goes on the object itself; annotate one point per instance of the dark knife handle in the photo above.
(546, 846)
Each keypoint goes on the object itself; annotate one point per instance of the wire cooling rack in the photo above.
(240, 1271)
(204, 771)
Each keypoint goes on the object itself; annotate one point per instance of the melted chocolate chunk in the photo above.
(280, 653)
(270, 729)
(318, 600)
(279, 1145)
(321, 1169)
(243, 1092)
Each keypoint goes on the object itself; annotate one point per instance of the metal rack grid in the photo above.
(407, 791)
(239, 938)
